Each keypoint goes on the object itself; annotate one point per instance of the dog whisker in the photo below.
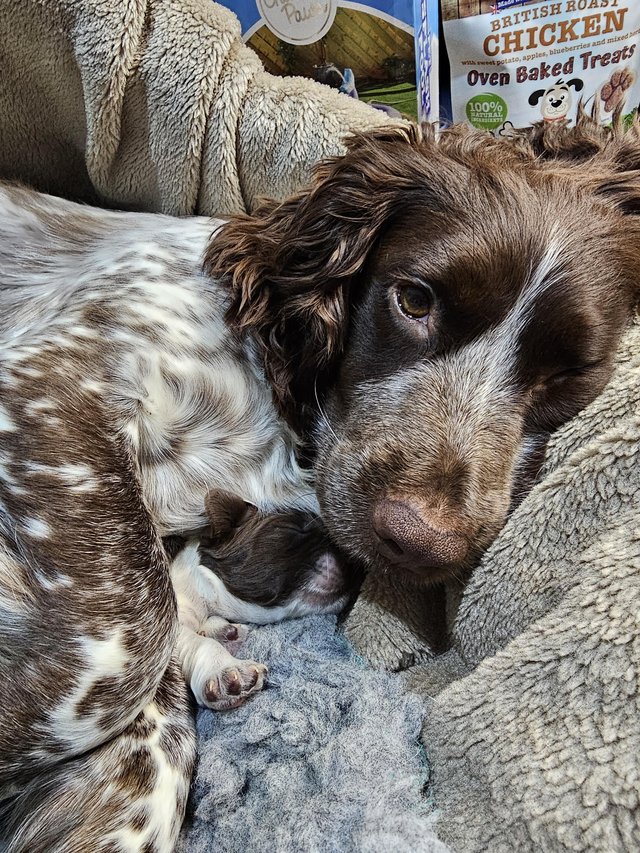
(323, 414)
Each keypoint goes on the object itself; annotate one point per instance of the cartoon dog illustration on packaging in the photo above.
(556, 100)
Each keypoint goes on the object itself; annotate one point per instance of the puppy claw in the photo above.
(234, 685)
(230, 634)
(232, 682)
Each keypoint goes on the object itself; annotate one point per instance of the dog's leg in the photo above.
(217, 679)
(127, 795)
(87, 611)
(395, 625)
(88, 640)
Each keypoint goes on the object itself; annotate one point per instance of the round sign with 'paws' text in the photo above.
(298, 21)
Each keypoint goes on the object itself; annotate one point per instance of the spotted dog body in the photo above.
(129, 793)
(123, 400)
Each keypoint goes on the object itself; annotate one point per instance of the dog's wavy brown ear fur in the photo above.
(621, 159)
(609, 155)
(605, 159)
(293, 266)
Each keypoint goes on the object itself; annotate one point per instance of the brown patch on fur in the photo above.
(140, 819)
(143, 726)
(138, 773)
(101, 693)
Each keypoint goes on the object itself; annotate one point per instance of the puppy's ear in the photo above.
(225, 512)
(294, 266)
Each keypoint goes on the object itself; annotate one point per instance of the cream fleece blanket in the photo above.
(156, 105)
(533, 718)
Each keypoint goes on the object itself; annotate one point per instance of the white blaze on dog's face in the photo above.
(479, 328)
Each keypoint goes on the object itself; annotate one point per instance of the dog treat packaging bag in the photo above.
(364, 49)
(516, 62)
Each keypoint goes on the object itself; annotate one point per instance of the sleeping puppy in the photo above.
(249, 567)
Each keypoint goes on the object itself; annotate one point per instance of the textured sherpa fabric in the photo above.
(156, 105)
(326, 760)
(538, 746)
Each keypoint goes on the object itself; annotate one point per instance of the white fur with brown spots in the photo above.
(125, 399)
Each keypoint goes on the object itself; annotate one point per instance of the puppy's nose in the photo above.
(407, 538)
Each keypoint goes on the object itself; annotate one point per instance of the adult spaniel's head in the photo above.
(428, 311)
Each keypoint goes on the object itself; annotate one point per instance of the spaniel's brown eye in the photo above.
(415, 300)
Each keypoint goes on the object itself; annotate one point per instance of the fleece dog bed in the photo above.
(532, 719)
(157, 105)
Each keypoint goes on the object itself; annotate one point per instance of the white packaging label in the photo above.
(298, 21)
(533, 62)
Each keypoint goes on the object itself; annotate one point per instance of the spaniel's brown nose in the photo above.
(406, 536)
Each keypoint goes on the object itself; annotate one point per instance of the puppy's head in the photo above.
(428, 311)
(273, 559)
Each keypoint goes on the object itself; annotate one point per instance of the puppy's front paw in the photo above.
(232, 686)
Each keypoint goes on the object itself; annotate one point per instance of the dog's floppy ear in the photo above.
(611, 149)
(293, 266)
(614, 175)
(225, 512)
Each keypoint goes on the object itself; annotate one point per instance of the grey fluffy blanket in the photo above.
(533, 718)
(327, 759)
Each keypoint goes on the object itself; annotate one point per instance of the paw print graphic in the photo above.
(614, 92)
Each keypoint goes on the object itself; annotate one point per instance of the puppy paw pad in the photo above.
(234, 685)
